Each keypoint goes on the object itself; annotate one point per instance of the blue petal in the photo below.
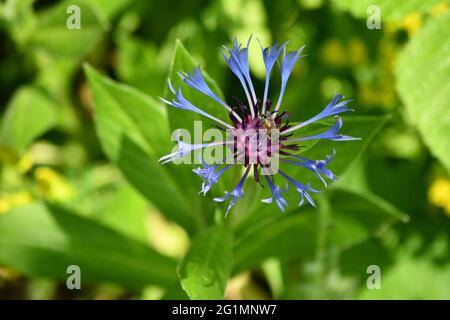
(182, 103)
(270, 55)
(209, 176)
(236, 193)
(276, 193)
(301, 188)
(334, 107)
(316, 166)
(331, 134)
(237, 61)
(195, 80)
(185, 148)
(287, 65)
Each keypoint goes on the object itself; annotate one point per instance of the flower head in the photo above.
(259, 136)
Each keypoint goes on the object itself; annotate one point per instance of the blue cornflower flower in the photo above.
(257, 115)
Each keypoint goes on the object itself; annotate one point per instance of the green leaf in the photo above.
(133, 132)
(352, 219)
(415, 254)
(126, 212)
(423, 81)
(19, 18)
(54, 37)
(392, 10)
(205, 269)
(29, 114)
(42, 240)
(111, 8)
(291, 235)
(138, 64)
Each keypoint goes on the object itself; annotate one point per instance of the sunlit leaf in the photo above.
(30, 113)
(42, 240)
(205, 269)
(54, 36)
(351, 219)
(423, 73)
(133, 132)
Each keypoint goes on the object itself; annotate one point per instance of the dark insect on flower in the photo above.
(258, 134)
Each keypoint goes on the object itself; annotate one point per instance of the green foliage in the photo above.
(423, 73)
(63, 238)
(204, 271)
(29, 114)
(55, 38)
(392, 10)
(122, 117)
(82, 128)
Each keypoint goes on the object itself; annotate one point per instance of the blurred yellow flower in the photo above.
(333, 53)
(52, 185)
(356, 51)
(25, 163)
(336, 53)
(439, 194)
(20, 199)
(439, 8)
(14, 200)
(412, 22)
(4, 205)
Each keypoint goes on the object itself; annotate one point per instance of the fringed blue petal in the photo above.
(270, 56)
(316, 166)
(195, 80)
(301, 188)
(236, 193)
(276, 194)
(237, 61)
(287, 65)
(209, 176)
(186, 148)
(334, 107)
(182, 103)
(331, 134)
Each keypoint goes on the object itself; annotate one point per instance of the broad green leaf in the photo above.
(54, 37)
(205, 269)
(29, 114)
(287, 235)
(400, 262)
(126, 213)
(352, 218)
(133, 132)
(392, 10)
(138, 64)
(423, 73)
(42, 240)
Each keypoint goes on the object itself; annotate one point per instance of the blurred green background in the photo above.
(79, 182)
